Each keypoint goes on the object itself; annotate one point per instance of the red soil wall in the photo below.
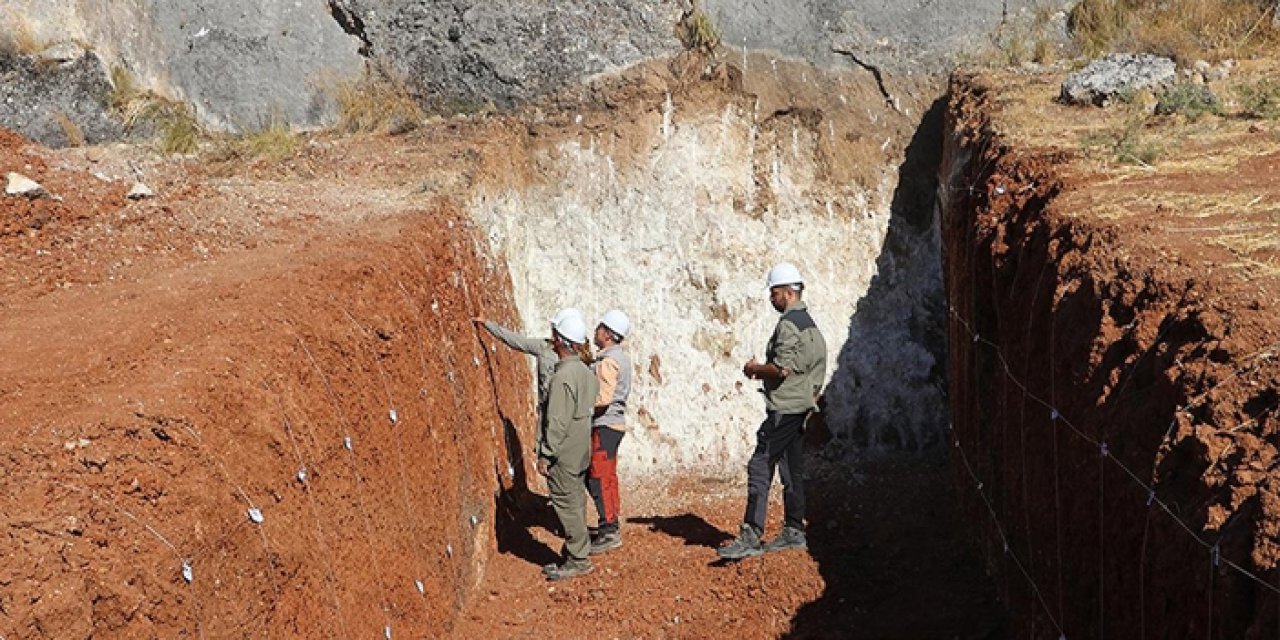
(143, 417)
(1163, 361)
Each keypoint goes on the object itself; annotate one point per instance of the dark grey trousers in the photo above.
(779, 444)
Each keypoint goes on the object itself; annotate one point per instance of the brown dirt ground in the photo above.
(171, 363)
(1141, 302)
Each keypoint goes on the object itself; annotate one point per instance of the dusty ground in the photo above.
(1139, 301)
(887, 560)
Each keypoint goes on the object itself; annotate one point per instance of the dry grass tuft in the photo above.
(272, 143)
(1260, 99)
(73, 132)
(1128, 144)
(697, 32)
(375, 104)
(17, 37)
(173, 122)
(1185, 30)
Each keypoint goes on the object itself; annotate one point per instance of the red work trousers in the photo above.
(602, 479)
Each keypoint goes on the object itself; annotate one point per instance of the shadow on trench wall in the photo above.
(887, 390)
(888, 540)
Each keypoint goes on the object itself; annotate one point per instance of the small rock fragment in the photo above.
(139, 191)
(20, 185)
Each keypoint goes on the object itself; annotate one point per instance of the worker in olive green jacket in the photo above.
(793, 374)
(564, 452)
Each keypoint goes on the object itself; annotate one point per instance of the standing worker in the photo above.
(613, 372)
(793, 374)
(564, 452)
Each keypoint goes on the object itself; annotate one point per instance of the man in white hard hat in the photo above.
(613, 372)
(793, 374)
(564, 452)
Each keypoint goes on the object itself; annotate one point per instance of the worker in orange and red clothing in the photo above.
(613, 372)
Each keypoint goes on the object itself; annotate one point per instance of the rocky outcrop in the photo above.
(1118, 75)
(464, 53)
(898, 37)
(58, 103)
(243, 64)
(240, 64)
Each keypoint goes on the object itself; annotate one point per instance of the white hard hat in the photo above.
(617, 322)
(564, 313)
(572, 328)
(784, 273)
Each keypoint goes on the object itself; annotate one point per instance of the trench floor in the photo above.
(887, 560)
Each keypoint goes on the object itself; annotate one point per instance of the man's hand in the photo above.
(763, 370)
(544, 467)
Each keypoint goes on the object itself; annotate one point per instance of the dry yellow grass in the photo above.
(174, 123)
(1186, 30)
(75, 135)
(273, 143)
(374, 104)
(17, 37)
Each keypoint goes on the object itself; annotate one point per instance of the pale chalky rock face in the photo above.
(677, 220)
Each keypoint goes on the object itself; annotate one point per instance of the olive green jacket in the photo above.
(539, 348)
(566, 425)
(797, 346)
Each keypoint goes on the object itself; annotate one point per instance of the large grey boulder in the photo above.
(240, 64)
(464, 53)
(898, 37)
(1116, 75)
(56, 103)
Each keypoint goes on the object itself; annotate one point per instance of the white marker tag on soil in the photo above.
(422, 589)
(256, 516)
(448, 550)
(302, 475)
(386, 631)
(346, 443)
(187, 573)
(474, 521)
(395, 417)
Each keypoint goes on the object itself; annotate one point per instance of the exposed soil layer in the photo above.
(329, 380)
(1114, 328)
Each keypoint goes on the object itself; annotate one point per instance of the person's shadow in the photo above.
(520, 510)
(695, 531)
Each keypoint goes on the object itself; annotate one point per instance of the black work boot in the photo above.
(788, 538)
(746, 545)
(569, 569)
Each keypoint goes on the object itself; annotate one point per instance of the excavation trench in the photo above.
(1112, 377)
(257, 405)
